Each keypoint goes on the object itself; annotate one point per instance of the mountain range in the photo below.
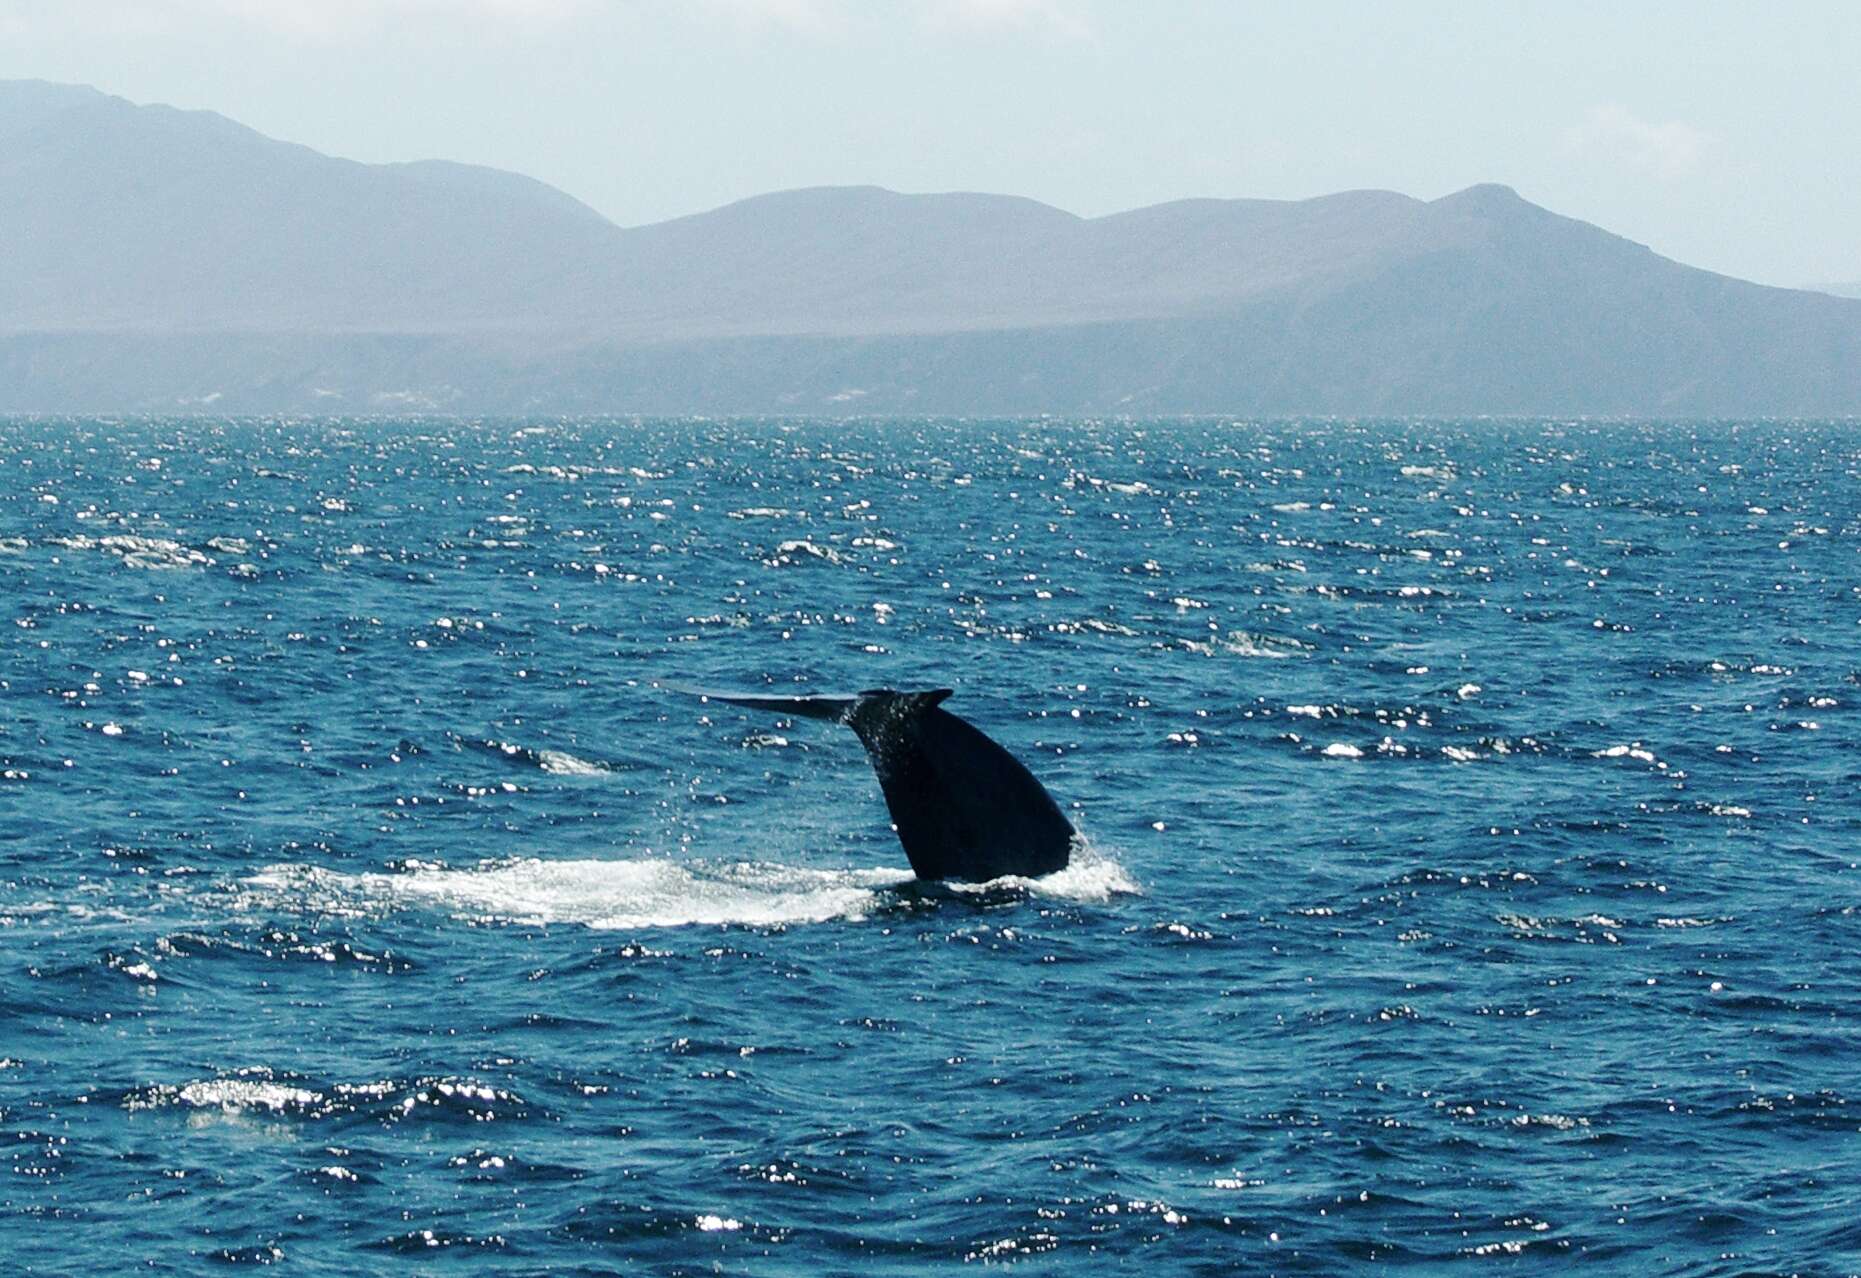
(162, 260)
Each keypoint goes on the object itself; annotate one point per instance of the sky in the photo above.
(1721, 134)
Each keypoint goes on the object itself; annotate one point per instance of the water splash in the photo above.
(648, 892)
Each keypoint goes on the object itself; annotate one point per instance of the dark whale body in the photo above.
(964, 807)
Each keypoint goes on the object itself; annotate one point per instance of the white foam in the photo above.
(138, 552)
(648, 892)
(1089, 877)
(597, 894)
(1634, 750)
(1242, 644)
(788, 551)
(564, 764)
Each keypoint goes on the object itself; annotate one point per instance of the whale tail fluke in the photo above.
(963, 807)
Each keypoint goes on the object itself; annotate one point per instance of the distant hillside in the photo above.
(148, 219)
(1850, 289)
(161, 260)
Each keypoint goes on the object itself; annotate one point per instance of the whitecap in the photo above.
(564, 764)
(1634, 750)
(138, 552)
(1244, 643)
(787, 552)
(1093, 625)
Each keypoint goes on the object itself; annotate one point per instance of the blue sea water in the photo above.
(1469, 876)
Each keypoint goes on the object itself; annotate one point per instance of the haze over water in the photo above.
(1470, 867)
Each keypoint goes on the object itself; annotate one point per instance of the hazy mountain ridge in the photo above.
(168, 259)
(152, 219)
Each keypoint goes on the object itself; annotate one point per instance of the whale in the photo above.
(963, 807)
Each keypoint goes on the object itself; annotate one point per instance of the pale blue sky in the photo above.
(1723, 134)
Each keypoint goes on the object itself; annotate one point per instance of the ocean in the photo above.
(1467, 877)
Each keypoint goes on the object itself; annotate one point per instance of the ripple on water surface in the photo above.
(1469, 869)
